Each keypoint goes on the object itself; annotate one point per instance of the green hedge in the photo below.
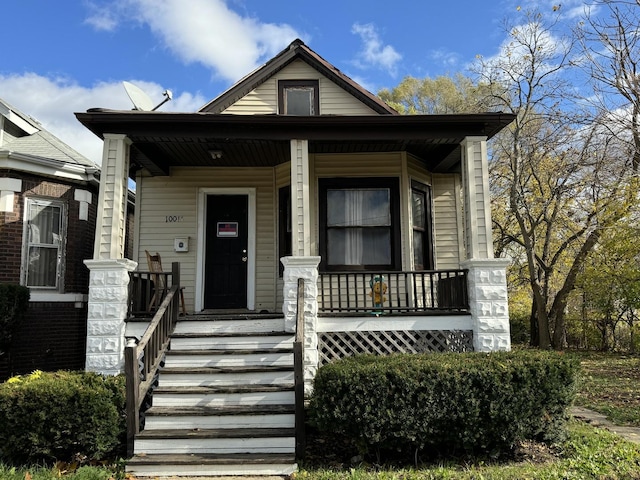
(14, 302)
(46, 417)
(446, 403)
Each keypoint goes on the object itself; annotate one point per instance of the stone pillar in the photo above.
(488, 301)
(107, 310)
(307, 269)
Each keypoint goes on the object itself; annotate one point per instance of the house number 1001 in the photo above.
(173, 218)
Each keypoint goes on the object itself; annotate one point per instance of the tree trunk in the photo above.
(534, 337)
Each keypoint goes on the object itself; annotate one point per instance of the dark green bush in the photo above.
(61, 416)
(14, 302)
(445, 403)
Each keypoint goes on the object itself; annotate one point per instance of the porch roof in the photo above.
(161, 140)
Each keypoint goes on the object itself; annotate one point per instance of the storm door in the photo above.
(225, 273)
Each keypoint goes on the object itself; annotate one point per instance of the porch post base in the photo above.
(487, 283)
(107, 311)
(307, 269)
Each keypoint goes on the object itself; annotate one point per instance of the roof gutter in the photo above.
(47, 166)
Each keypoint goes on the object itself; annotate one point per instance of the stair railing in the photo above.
(142, 361)
(298, 362)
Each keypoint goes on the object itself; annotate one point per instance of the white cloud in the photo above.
(374, 52)
(102, 19)
(53, 101)
(202, 31)
(445, 57)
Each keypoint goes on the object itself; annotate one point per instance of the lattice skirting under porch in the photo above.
(335, 345)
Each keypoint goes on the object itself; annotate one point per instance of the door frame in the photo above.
(251, 241)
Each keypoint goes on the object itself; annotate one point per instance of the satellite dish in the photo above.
(141, 100)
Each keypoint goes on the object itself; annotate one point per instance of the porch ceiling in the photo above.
(163, 140)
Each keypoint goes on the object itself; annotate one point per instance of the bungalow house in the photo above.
(48, 195)
(295, 172)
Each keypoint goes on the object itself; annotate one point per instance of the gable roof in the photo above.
(296, 50)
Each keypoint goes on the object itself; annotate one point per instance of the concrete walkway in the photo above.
(596, 419)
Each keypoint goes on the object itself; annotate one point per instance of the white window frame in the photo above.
(26, 243)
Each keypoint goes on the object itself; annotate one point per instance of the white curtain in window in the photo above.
(365, 238)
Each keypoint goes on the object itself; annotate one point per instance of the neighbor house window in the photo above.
(421, 226)
(359, 224)
(43, 243)
(298, 97)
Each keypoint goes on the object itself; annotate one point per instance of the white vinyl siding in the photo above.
(447, 217)
(333, 99)
(168, 210)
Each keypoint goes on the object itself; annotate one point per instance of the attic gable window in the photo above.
(298, 97)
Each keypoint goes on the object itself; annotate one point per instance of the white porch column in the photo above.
(477, 200)
(487, 279)
(487, 283)
(112, 199)
(307, 269)
(109, 271)
(300, 199)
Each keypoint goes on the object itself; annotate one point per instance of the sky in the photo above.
(66, 56)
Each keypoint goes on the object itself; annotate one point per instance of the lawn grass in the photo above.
(61, 471)
(610, 384)
(588, 453)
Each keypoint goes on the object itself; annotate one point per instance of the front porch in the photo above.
(237, 383)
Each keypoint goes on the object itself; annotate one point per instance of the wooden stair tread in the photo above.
(179, 433)
(181, 411)
(212, 317)
(211, 459)
(224, 389)
(230, 351)
(228, 369)
(274, 333)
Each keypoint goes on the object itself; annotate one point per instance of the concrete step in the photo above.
(211, 465)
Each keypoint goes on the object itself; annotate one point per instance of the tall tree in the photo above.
(553, 177)
(610, 41)
(440, 95)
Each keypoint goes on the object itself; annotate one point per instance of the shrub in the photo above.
(446, 403)
(61, 416)
(14, 302)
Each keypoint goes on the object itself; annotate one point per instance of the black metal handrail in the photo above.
(142, 361)
(393, 292)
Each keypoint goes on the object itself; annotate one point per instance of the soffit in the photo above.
(164, 140)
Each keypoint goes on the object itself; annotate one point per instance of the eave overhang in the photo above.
(161, 140)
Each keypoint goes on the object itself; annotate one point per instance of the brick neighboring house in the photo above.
(48, 197)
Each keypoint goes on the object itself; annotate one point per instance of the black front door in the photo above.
(225, 276)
